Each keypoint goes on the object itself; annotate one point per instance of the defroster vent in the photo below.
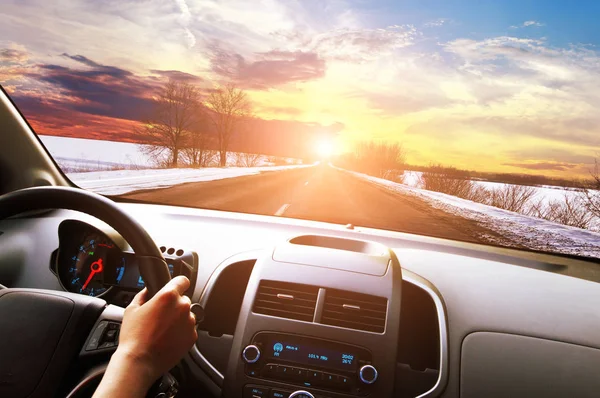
(286, 300)
(354, 310)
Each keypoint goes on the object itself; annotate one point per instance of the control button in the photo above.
(301, 394)
(269, 370)
(111, 335)
(96, 336)
(252, 372)
(279, 394)
(298, 374)
(314, 377)
(329, 380)
(108, 344)
(283, 372)
(256, 392)
(251, 354)
(344, 382)
(368, 374)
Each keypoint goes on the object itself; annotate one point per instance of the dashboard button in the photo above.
(314, 377)
(298, 374)
(284, 372)
(251, 354)
(343, 382)
(270, 370)
(256, 392)
(329, 380)
(279, 394)
(252, 372)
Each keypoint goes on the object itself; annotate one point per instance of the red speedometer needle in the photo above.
(95, 268)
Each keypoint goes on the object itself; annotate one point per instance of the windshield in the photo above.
(466, 120)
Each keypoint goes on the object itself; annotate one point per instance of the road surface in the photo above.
(320, 193)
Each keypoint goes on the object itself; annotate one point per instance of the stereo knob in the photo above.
(251, 354)
(368, 374)
(301, 394)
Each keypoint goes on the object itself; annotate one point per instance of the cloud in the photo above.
(360, 44)
(532, 23)
(13, 55)
(185, 19)
(550, 166)
(269, 69)
(436, 23)
(178, 75)
(527, 24)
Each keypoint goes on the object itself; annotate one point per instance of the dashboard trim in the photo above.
(204, 363)
(407, 276)
(428, 287)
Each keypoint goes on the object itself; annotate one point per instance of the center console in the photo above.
(320, 318)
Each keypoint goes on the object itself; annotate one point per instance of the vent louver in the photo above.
(354, 310)
(286, 300)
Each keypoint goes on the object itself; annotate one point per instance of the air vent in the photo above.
(354, 310)
(286, 300)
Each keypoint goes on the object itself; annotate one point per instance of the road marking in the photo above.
(282, 209)
(306, 183)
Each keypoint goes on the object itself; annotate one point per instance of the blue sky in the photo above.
(508, 86)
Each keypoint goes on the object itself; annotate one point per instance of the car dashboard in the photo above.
(337, 311)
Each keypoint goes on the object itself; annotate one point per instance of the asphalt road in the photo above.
(319, 193)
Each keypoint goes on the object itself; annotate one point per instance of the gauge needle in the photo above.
(95, 268)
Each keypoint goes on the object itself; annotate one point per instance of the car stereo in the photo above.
(310, 362)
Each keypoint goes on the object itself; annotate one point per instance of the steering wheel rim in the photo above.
(152, 265)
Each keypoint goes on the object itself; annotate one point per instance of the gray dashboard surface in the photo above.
(505, 365)
(483, 289)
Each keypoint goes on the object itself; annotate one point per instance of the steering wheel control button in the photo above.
(256, 392)
(198, 312)
(96, 336)
(368, 374)
(251, 354)
(301, 394)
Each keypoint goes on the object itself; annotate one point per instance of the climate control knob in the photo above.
(251, 354)
(368, 374)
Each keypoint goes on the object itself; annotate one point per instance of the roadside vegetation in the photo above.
(517, 193)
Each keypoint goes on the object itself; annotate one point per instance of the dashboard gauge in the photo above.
(86, 257)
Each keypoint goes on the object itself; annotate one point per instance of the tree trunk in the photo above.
(223, 158)
(175, 157)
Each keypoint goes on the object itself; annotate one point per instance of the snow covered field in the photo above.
(89, 155)
(119, 182)
(116, 168)
(545, 193)
(530, 232)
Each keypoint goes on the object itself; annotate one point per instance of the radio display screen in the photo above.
(310, 354)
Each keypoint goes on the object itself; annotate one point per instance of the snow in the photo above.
(116, 168)
(119, 182)
(80, 154)
(520, 230)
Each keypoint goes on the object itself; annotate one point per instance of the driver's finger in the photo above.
(180, 284)
(139, 299)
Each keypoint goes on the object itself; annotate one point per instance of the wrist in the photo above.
(133, 365)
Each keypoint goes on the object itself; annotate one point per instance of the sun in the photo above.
(324, 149)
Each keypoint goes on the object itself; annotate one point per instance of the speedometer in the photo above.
(85, 258)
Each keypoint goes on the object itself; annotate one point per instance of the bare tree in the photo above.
(196, 152)
(592, 193)
(379, 158)
(229, 106)
(176, 113)
(247, 159)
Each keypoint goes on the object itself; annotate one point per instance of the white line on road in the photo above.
(282, 209)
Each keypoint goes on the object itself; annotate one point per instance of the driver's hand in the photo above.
(154, 336)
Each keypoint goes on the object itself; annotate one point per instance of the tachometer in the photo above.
(86, 257)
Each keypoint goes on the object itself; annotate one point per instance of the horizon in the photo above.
(509, 88)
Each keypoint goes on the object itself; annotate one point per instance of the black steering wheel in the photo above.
(43, 331)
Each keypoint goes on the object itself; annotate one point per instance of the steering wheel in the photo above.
(43, 331)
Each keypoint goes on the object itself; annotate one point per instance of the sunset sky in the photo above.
(510, 86)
